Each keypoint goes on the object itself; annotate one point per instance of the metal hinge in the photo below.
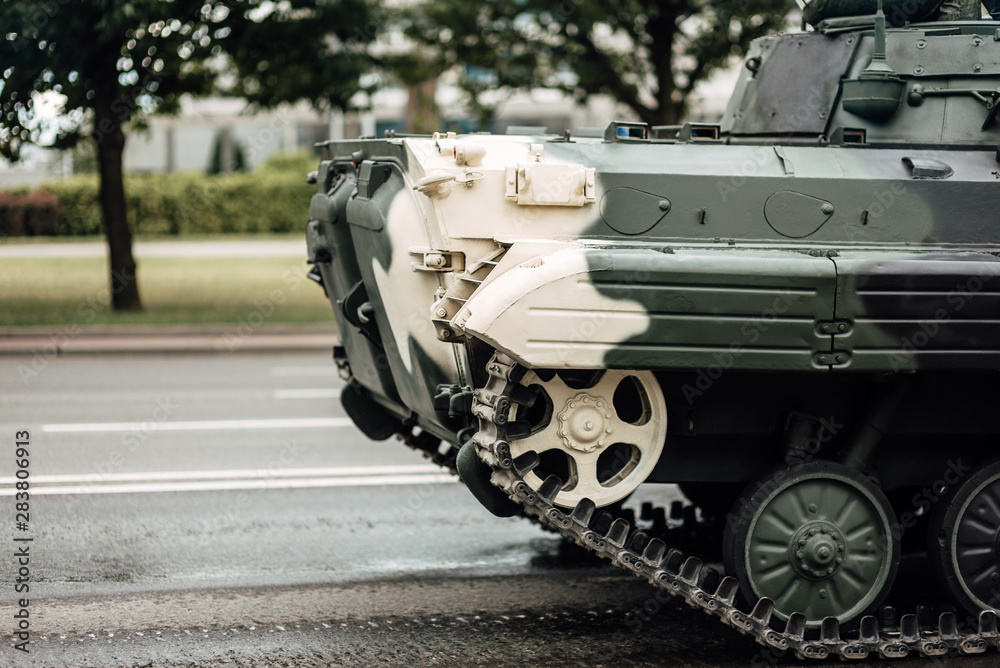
(834, 327)
(836, 358)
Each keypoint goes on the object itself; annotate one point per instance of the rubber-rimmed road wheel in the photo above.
(964, 540)
(816, 539)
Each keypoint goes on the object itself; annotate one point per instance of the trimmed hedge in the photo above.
(271, 199)
(28, 213)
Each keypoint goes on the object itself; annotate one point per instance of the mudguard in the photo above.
(647, 309)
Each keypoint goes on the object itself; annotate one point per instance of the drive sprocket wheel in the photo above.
(964, 541)
(816, 539)
(604, 435)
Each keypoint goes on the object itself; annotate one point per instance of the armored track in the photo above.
(687, 577)
(431, 447)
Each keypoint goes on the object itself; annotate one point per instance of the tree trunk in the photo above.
(422, 115)
(110, 140)
(662, 56)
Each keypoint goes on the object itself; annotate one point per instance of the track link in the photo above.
(687, 577)
(440, 452)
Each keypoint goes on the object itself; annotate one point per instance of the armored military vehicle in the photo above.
(793, 314)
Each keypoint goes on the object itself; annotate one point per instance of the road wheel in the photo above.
(964, 540)
(816, 539)
(602, 432)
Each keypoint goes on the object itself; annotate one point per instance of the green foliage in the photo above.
(293, 50)
(28, 213)
(298, 162)
(269, 200)
(110, 63)
(649, 55)
(238, 160)
(114, 62)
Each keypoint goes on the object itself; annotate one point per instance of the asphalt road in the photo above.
(217, 510)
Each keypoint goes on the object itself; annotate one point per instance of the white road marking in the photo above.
(400, 469)
(318, 393)
(202, 481)
(197, 425)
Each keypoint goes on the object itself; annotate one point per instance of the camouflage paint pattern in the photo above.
(801, 241)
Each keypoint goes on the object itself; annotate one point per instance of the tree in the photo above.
(649, 55)
(110, 63)
(227, 155)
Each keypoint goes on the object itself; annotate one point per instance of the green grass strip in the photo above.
(174, 290)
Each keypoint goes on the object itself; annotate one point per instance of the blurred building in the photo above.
(220, 132)
(36, 165)
(207, 126)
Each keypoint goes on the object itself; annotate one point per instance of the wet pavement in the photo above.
(205, 510)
